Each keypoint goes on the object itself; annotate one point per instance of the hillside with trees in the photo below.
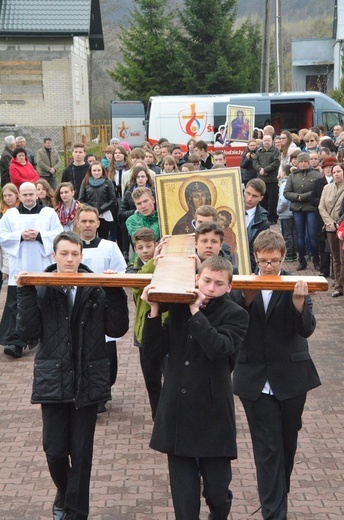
(171, 44)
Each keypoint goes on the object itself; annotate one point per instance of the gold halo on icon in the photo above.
(231, 211)
(196, 178)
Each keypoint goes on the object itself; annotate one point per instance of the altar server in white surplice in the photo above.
(27, 233)
(99, 255)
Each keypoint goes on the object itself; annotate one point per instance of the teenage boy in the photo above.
(256, 217)
(78, 168)
(207, 160)
(274, 372)
(145, 214)
(195, 423)
(144, 241)
(71, 374)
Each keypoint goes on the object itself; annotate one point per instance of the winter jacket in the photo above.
(269, 160)
(247, 170)
(46, 160)
(299, 189)
(20, 173)
(71, 362)
(137, 221)
(330, 203)
(75, 175)
(195, 415)
(283, 205)
(5, 160)
(101, 197)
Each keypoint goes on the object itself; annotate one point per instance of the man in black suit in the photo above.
(256, 217)
(273, 374)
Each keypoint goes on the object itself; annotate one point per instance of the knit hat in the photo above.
(125, 145)
(303, 157)
(329, 161)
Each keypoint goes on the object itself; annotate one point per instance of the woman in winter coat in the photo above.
(298, 191)
(329, 208)
(21, 170)
(97, 190)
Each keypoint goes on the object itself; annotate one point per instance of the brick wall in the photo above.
(43, 83)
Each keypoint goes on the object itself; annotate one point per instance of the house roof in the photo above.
(56, 19)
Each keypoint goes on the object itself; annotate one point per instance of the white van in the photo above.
(178, 118)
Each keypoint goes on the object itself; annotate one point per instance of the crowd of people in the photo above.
(102, 218)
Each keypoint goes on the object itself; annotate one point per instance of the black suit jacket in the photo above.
(275, 349)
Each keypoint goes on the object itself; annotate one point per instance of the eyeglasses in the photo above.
(310, 141)
(265, 263)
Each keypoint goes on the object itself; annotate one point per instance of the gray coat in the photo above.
(299, 189)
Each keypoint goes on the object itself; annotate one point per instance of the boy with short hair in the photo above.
(195, 423)
(208, 241)
(144, 242)
(274, 372)
(76, 171)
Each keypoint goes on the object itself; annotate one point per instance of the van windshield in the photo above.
(331, 119)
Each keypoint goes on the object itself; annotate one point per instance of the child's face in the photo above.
(276, 257)
(213, 283)
(208, 244)
(145, 250)
(200, 219)
(168, 167)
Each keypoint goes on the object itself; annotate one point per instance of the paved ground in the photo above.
(129, 481)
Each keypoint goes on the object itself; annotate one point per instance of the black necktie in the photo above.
(70, 299)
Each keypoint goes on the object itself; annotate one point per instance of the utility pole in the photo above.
(265, 65)
(279, 58)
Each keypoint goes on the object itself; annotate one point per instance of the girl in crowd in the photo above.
(157, 153)
(169, 165)
(10, 199)
(287, 147)
(21, 170)
(97, 190)
(66, 206)
(188, 167)
(120, 162)
(108, 153)
(45, 193)
(139, 178)
(190, 145)
(329, 208)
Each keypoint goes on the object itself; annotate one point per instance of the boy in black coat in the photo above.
(71, 371)
(274, 372)
(195, 423)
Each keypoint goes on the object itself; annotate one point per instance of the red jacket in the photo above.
(20, 173)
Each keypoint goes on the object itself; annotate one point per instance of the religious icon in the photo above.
(240, 121)
(179, 195)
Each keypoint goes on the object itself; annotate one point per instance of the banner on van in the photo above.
(238, 127)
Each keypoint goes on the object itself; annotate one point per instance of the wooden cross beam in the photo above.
(174, 276)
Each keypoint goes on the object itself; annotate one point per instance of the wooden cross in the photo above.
(173, 277)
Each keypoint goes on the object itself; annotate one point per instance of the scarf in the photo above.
(96, 182)
(67, 215)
